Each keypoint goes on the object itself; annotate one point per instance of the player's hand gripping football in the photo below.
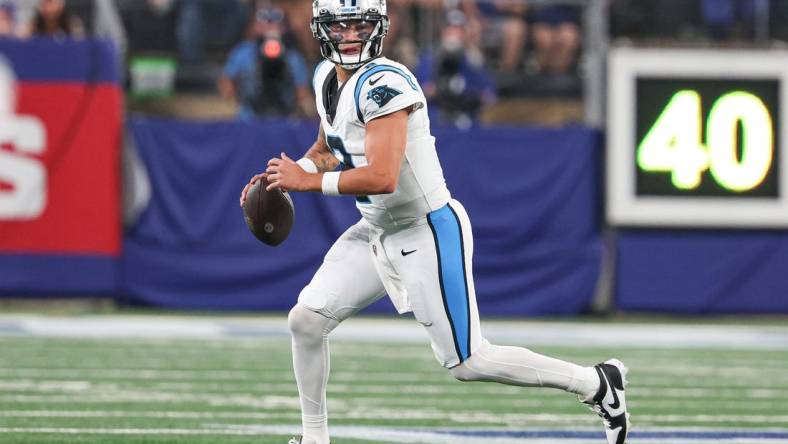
(245, 191)
(284, 173)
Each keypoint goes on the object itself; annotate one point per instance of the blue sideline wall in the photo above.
(532, 196)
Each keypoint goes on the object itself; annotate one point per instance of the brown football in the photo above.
(268, 214)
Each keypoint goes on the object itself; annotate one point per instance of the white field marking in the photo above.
(417, 415)
(426, 435)
(107, 391)
(570, 418)
(525, 406)
(261, 383)
(713, 375)
(699, 377)
(452, 389)
(146, 354)
(145, 374)
(358, 360)
(520, 402)
(127, 431)
(467, 417)
(378, 434)
(281, 343)
(406, 330)
(72, 379)
(260, 358)
(136, 414)
(741, 379)
(365, 389)
(459, 417)
(752, 399)
(260, 402)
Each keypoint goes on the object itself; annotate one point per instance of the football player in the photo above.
(413, 240)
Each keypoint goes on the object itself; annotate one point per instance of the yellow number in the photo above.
(757, 141)
(673, 144)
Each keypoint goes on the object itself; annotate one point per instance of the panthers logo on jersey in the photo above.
(382, 95)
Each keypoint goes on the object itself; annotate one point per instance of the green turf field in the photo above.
(241, 390)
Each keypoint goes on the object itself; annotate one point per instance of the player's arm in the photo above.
(384, 147)
(321, 154)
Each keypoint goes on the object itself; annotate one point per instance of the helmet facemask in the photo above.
(370, 29)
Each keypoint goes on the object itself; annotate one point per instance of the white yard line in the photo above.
(415, 436)
(86, 389)
(405, 330)
(404, 415)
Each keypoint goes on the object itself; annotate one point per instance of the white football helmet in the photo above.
(329, 16)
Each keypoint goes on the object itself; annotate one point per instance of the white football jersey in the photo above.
(376, 89)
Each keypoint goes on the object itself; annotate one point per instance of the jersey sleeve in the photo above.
(386, 89)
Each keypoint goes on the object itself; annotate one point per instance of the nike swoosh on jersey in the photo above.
(405, 253)
(372, 82)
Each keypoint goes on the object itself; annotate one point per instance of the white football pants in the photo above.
(426, 268)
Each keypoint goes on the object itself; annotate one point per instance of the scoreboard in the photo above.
(695, 138)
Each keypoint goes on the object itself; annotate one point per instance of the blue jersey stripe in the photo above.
(464, 273)
(375, 70)
(453, 280)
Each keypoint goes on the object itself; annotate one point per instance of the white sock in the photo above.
(315, 429)
(520, 366)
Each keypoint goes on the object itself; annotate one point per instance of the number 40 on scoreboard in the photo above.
(695, 138)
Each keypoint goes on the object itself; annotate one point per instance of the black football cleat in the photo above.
(610, 401)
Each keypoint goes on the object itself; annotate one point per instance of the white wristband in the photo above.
(331, 183)
(307, 165)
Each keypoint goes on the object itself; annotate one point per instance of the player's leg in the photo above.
(345, 283)
(439, 280)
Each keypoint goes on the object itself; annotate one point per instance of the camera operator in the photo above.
(265, 74)
(457, 86)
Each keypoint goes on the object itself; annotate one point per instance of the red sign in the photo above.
(59, 167)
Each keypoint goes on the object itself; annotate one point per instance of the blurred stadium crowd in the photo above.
(258, 55)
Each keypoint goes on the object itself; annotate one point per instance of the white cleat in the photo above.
(610, 401)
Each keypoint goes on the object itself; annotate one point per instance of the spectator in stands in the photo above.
(455, 84)
(298, 15)
(556, 37)
(54, 19)
(201, 20)
(266, 74)
(723, 17)
(504, 20)
(7, 20)
(413, 22)
(150, 25)
(664, 20)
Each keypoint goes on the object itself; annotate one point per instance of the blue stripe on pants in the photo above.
(449, 246)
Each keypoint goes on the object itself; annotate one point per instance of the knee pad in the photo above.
(469, 370)
(304, 322)
(463, 373)
(312, 298)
